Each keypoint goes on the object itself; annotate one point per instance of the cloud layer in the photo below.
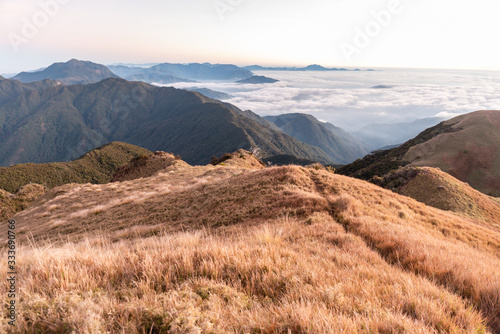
(350, 99)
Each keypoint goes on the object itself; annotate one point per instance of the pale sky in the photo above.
(456, 34)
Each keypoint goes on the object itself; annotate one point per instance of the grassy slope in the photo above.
(236, 249)
(96, 166)
(10, 204)
(440, 190)
(467, 147)
(471, 153)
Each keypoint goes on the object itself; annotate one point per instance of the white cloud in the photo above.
(347, 99)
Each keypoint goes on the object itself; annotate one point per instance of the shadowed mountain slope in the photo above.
(340, 146)
(10, 89)
(61, 123)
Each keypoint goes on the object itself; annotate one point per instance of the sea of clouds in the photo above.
(354, 99)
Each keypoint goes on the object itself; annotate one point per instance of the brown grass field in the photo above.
(238, 248)
(471, 152)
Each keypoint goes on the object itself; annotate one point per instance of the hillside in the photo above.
(61, 123)
(441, 190)
(70, 73)
(11, 203)
(96, 166)
(467, 147)
(147, 165)
(241, 248)
(341, 147)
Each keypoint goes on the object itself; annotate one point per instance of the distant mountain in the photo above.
(126, 71)
(257, 79)
(307, 68)
(182, 72)
(383, 87)
(69, 73)
(63, 122)
(467, 147)
(7, 75)
(213, 94)
(340, 146)
(157, 78)
(378, 135)
(146, 75)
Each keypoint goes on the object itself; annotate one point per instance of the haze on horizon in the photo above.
(451, 34)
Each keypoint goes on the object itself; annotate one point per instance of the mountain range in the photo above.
(60, 123)
(171, 73)
(307, 68)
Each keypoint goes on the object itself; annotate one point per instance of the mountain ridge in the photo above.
(340, 146)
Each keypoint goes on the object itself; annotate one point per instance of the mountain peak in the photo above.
(71, 72)
(315, 67)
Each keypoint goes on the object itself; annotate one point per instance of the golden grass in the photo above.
(10, 204)
(146, 166)
(471, 153)
(287, 275)
(227, 249)
(441, 190)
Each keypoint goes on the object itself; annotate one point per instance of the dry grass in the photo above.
(12, 203)
(471, 153)
(146, 166)
(440, 190)
(284, 276)
(227, 249)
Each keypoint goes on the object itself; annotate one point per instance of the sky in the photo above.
(449, 34)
